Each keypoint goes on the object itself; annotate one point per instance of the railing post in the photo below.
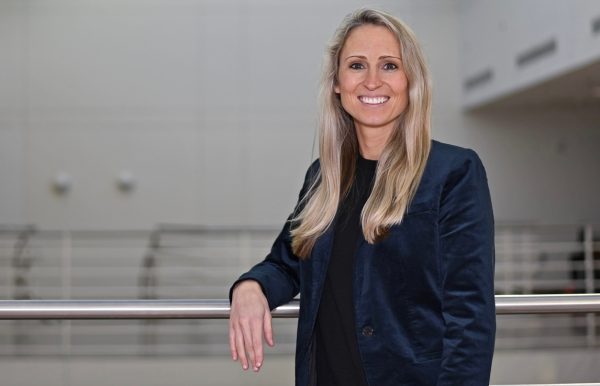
(21, 263)
(588, 250)
(509, 271)
(148, 283)
(67, 254)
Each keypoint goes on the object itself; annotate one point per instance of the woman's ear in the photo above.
(336, 88)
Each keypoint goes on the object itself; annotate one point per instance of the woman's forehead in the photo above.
(368, 40)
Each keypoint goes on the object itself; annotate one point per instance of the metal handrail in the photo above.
(219, 308)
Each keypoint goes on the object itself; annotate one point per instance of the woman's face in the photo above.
(372, 85)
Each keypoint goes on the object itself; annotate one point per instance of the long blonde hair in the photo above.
(401, 162)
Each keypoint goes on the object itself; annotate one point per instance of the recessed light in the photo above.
(62, 183)
(126, 181)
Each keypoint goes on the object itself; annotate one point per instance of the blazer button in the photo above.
(367, 331)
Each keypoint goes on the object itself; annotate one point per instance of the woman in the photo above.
(391, 243)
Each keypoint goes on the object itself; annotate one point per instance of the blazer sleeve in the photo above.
(466, 226)
(278, 273)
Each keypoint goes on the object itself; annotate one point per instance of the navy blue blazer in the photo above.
(423, 296)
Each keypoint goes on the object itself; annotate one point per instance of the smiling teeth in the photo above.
(373, 101)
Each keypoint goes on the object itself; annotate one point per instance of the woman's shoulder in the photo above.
(312, 174)
(313, 170)
(444, 158)
(447, 152)
(449, 164)
(448, 157)
(314, 166)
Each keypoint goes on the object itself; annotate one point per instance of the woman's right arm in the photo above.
(249, 319)
(269, 284)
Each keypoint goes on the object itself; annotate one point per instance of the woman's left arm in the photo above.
(466, 226)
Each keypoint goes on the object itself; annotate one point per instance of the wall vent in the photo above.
(479, 79)
(536, 52)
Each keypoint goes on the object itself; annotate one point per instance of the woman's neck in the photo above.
(372, 141)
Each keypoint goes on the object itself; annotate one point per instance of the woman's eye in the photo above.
(390, 66)
(356, 66)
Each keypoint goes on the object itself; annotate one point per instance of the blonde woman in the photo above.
(391, 244)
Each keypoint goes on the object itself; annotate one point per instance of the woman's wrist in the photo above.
(248, 285)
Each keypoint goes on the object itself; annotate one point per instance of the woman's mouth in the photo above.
(373, 100)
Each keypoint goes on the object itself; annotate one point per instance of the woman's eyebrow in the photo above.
(380, 58)
(389, 57)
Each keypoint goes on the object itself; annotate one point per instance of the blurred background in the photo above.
(151, 149)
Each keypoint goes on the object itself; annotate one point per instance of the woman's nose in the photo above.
(373, 79)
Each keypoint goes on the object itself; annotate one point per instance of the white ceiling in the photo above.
(578, 87)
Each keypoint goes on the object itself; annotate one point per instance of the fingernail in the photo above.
(258, 364)
(245, 367)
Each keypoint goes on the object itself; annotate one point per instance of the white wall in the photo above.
(12, 114)
(542, 165)
(211, 105)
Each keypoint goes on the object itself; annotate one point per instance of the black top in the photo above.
(338, 360)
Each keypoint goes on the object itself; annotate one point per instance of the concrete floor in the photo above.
(510, 367)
